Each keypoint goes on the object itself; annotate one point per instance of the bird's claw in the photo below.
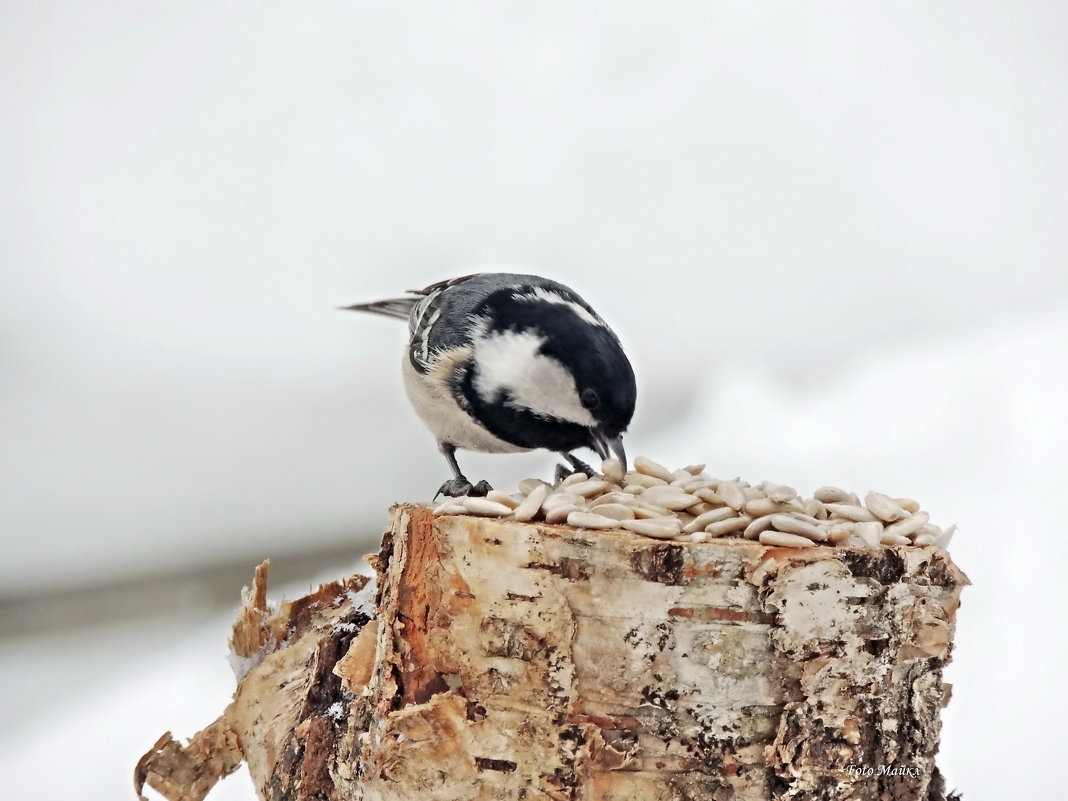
(577, 466)
(458, 487)
(581, 467)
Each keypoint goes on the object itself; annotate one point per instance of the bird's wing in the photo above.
(443, 284)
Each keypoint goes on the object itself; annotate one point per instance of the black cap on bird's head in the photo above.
(547, 372)
(605, 382)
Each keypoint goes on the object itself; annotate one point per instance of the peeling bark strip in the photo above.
(280, 721)
(532, 661)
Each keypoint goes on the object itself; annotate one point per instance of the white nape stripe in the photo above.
(547, 295)
(509, 361)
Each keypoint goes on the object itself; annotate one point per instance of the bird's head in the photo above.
(547, 372)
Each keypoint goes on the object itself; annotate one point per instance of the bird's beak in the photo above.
(602, 443)
(616, 444)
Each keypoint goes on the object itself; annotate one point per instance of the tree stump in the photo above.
(511, 660)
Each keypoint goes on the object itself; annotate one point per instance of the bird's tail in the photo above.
(392, 307)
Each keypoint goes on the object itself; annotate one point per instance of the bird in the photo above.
(506, 362)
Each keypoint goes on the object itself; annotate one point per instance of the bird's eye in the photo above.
(590, 399)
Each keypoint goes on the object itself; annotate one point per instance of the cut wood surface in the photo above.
(512, 660)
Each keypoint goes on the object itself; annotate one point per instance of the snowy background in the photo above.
(833, 238)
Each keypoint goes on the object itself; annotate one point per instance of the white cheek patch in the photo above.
(540, 293)
(509, 361)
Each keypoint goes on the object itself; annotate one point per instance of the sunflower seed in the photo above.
(690, 505)
(869, 533)
(612, 469)
(785, 540)
(695, 484)
(754, 493)
(728, 525)
(502, 498)
(884, 507)
(702, 520)
(709, 495)
(732, 494)
(450, 507)
(486, 508)
(661, 528)
(762, 506)
(781, 493)
(559, 514)
(670, 497)
(643, 480)
(840, 530)
(930, 529)
(616, 511)
(947, 535)
(655, 469)
(851, 512)
(612, 497)
(909, 505)
(894, 539)
(574, 478)
(591, 520)
(910, 525)
(528, 485)
(752, 531)
(593, 486)
(531, 505)
(644, 511)
(557, 499)
(831, 495)
(791, 524)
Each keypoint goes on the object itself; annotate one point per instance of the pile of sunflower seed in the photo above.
(691, 506)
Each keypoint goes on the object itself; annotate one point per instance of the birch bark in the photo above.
(531, 661)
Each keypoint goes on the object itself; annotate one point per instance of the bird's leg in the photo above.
(577, 466)
(455, 487)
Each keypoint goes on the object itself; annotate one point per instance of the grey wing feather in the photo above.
(439, 315)
(441, 319)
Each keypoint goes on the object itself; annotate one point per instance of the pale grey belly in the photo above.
(434, 404)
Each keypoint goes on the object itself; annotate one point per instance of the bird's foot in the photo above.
(563, 472)
(577, 466)
(581, 467)
(460, 486)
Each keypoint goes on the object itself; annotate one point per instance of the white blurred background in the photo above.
(833, 238)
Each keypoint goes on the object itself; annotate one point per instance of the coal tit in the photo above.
(500, 363)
